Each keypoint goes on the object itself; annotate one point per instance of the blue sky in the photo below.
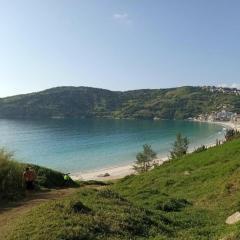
(118, 44)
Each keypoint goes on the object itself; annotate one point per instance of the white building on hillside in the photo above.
(236, 119)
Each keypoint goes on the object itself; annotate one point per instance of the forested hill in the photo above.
(84, 102)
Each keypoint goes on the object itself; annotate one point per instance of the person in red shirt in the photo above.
(29, 176)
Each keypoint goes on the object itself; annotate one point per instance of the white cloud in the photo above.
(122, 18)
(230, 85)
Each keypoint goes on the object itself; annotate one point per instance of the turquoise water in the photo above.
(73, 145)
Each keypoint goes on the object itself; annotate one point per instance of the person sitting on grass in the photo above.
(29, 176)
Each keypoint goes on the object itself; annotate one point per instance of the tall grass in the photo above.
(11, 182)
(10, 177)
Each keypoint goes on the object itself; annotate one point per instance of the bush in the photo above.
(200, 149)
(93, 183)
(232, 134)
(172, 205)
(145, 159)
(11, 186)
(79, 207)
(107, 193)
(180, 147)
(48, 178)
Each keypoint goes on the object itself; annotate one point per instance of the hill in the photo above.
(85, 102)
(186, 199)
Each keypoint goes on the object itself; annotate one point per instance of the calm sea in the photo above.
(73, 145)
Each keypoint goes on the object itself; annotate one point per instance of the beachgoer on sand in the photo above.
(29, 176)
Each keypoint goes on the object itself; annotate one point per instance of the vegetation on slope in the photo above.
(11, 182)
(198, 191)
(188, 198)
(90, 214)
(84, 102)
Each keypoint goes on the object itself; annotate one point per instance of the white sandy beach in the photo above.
(114, 172)
(117, 172)
(225, 124)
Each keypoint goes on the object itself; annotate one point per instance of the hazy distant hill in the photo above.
(83, 102)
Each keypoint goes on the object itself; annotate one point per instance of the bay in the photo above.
(72, 145)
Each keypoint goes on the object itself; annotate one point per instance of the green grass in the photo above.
(11, 182)
(90, 214)
(186, 199)
(208, 181)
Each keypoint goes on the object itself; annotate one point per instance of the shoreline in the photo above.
(224, 124)
(117, 172)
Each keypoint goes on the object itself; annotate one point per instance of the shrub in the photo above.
(170, 182)
(180, 147)
(93, 183)
(79, 207)
(10, 177)
(145, 159)
(232, 134)
(200, 149)
(172, 205)
(107, 193)
(49, 178)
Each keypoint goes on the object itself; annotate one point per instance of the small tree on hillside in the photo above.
(144, 159)
(180, 147)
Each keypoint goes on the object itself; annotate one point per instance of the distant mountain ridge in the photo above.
(87, 102)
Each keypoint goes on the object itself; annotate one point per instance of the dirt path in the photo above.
(9, 212)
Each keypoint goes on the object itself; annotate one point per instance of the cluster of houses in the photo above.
(234, 91)
(236, 119)
(223, 116)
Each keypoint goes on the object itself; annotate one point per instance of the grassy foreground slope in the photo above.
(90, 214)
(198, 191)
(187, 199)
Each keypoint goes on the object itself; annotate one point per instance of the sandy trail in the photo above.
(9, 212)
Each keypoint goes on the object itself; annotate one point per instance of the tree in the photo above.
(144, 159)
(231, 134)
(180, 147)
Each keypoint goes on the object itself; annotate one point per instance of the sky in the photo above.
(118, 44)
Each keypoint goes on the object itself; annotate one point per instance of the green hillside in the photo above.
(185, 199)
(85, 102)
